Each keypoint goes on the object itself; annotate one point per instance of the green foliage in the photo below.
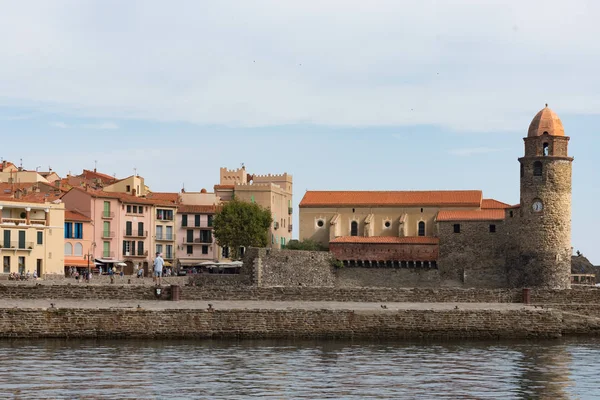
(306, 244)
(336, 263)
(240, 224)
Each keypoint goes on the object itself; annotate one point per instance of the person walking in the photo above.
(158, 268)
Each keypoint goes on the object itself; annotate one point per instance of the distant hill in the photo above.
(581, 265)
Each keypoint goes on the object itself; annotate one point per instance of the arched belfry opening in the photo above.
(546, 149)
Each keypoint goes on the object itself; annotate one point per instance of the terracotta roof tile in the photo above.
(8, 165)
(464, 198)
(31, 198)
(471, 215)
(387, 239)
(75, 216)
(192, 209)
(491, 203)
(91, 175)
(164, 198)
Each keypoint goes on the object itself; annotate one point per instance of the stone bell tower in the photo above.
(545, 214)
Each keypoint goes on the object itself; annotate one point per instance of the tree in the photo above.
(240, 224)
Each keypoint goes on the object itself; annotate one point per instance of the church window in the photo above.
(492, 228)
(537, 168)
(456, 228)
(421, 228)
(546, 149)
(387, 224)
(354, 228)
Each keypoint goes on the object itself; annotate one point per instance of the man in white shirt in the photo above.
(158, 267)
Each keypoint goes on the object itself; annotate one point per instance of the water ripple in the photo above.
(132, 369)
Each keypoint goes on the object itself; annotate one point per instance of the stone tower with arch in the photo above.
(544, 223)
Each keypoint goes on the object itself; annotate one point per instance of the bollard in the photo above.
(526, 296)
(175, 292)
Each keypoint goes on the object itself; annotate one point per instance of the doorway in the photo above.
(39, 267)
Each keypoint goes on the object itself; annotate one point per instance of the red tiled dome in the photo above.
(546, 121)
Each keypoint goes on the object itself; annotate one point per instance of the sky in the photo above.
(343, 95)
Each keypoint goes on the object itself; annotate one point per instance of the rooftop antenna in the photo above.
(21, 163)
(134, 171)
(95, 165)
(37, 168)
(243, 165)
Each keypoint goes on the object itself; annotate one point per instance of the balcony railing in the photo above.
(169, 256)
(108, 214)
(143, 234)
(14, 221)
(165, 237)
(203, 240)
(108, 254)
(164, 217)
(108, 234)
(40, 222)
(290, 210)
(135, 254)
(17, 245)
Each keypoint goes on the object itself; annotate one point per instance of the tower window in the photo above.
(492, 228)
(421, 228)
(546, 149)
(537, 168)
(456, 228)
(421, 210)
(354, 228)
(511, 214)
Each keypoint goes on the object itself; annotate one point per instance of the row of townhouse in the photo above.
(98, 220)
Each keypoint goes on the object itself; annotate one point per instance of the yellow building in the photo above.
(269, 191)
(32, 235)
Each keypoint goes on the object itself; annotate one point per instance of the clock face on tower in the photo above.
(537, 206)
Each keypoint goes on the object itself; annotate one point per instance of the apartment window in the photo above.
(159, 248)
(184, 219)
(135, 209)
(22, 239)
(190, 249)
(68, 249)
(128, 228)
(169, 252)
(205, 236)
(6, 239)
(140, 248)
(78, 249)
(21, 265)
(169, 233)
(128, 188)
(225, 252)
(159, 232)
(197, 220)
(141, 229)
(126, 247)
(128, 209)
(40, 237)
(210, 220)
(421, 228)
(456, 228)
(106, 249)
(107, 208)
(78, 231)
(140, 209)
(189, 236)
(6, 264)
(164, 215)
(68, 230)
(204, 249)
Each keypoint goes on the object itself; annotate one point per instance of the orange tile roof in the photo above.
(464, 198)
(471, 215)
(8, 164)
(192, 209)
(31, 198)
(75, 216)
(491, 203)
(164, 198)
(91, 175)
(387, 239)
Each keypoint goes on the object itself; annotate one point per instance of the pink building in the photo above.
(78, 241)
(121, 225)
(195, 239)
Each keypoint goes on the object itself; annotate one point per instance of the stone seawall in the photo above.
(269, 323)
(417, 295)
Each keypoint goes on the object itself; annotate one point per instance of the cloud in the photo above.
(463, 65)
(59, 124)
(470, 151)
(103, 125)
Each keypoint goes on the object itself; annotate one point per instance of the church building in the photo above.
(464, 238)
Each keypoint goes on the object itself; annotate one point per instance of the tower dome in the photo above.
(546, 121)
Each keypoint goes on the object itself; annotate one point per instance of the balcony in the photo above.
(290, 210)
(167, 237)
(164, 217)
(290, 227)
(203, 240)
(14, 221)
(136, 254)
(108, 254)
(136, 234)
(28, 246)
(108, 234)
(108, 214)
(169, 256)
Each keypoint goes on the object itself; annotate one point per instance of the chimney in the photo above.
(182, 190)
(3, 164)
(94, 169)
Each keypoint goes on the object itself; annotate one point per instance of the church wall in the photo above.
(475, 256)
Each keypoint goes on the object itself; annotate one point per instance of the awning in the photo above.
(121, 264)
(77, 263)
(168, 264)
(105, 261)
